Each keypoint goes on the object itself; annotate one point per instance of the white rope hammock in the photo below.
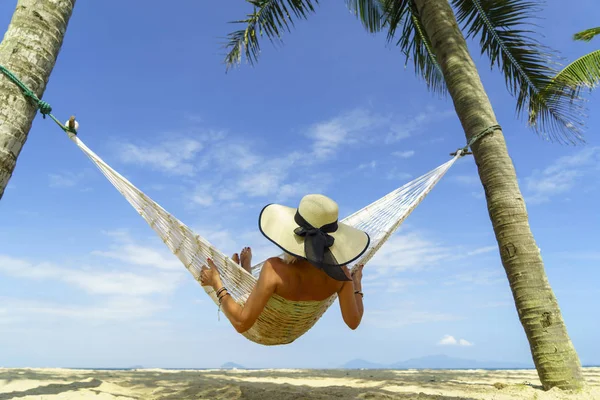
(282, 321)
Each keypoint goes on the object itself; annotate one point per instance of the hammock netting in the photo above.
(282, 321)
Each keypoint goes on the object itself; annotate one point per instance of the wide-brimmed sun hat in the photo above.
(312, 232)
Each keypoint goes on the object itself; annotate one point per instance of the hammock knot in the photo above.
(465, 150)
(45, 108)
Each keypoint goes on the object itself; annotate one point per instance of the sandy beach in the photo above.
(68, 384)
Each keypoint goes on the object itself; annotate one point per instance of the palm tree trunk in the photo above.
(29, 49)
(553, 353)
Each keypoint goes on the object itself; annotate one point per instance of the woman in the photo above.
(317, 249)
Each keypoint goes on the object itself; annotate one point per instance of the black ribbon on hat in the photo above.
(317, 241)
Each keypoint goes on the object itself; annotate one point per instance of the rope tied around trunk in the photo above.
(465, 150)
(44, 107)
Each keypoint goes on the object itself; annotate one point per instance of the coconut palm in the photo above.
(583, 73)
(428, 32)
(31, 57)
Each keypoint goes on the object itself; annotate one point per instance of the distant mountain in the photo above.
(436, 362)
(231, 365)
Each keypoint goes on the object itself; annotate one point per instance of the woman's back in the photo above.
(322, 247)
(301, 281)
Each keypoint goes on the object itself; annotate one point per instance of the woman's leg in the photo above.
(246, 259)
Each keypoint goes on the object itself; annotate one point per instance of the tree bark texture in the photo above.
(553, 353)
(29, 49)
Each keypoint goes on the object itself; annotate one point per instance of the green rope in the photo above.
(44, 107)
(465, 150)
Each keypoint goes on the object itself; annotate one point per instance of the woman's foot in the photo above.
(236, 258)
(246, 259)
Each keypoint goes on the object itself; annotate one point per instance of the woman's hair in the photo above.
(288, 258)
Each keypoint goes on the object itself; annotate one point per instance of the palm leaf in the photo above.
(413, 41)
(369, 12)
(270, 18)
(527, 65)
(581, 73)
(395, 12)
(587, 35)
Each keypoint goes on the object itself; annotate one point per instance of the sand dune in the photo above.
(63, 384)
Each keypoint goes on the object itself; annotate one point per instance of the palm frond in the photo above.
(270, 18)
(395, 11)
(369, 12)
(580, 74)
(587, 35)
(583, 73)
(528, 67)
(413, 41)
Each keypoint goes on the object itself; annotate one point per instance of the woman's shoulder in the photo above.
(272, 261)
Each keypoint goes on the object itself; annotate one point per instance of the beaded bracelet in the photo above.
(222, 297)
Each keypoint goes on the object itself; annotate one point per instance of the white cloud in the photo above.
(64, 180)
(221, 238)
(364, 126)
(261, 183)
(346, 129)
(165, 275)
(247, 174)
(174, 156)
(404, 154)
(202, 199)
(202, 195)
(411, 251)
(404, 130)
(250, 173)
(311, 184)
(561, 177)
(368, 165)
(231, 241)
(416, 123)
(449, 340)
(236, 154)
(92, 280)
(134, 254)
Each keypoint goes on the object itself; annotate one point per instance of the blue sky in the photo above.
(84, 282)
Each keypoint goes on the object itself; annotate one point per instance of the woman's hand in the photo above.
(210, 277)
(347, 272)
(357, 277)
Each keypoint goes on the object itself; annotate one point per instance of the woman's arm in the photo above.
(351, 303)
(243, 318)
